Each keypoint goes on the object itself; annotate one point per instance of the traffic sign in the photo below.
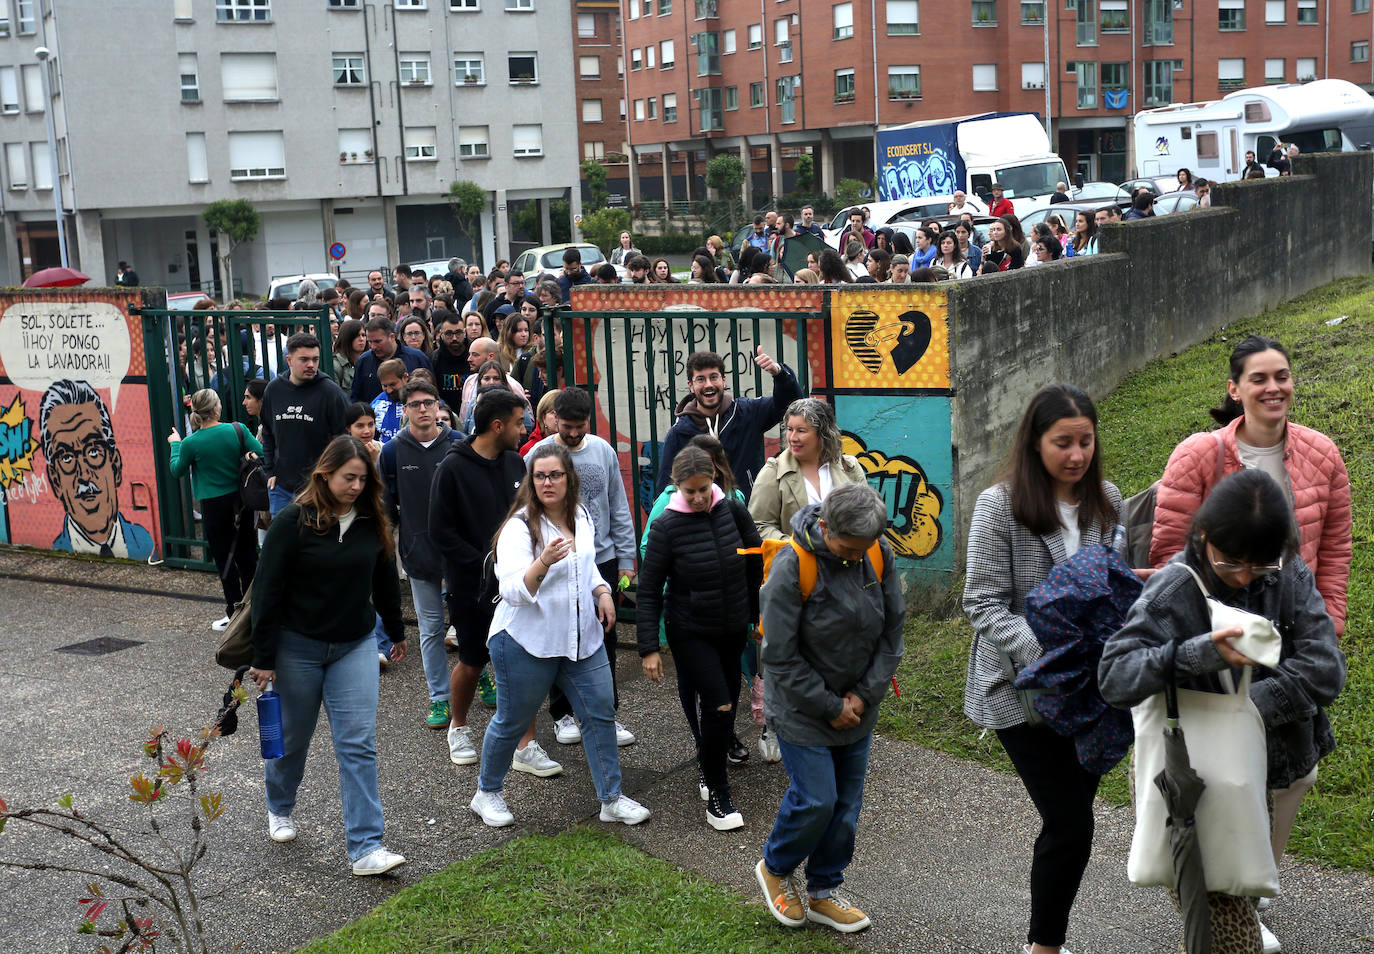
(337, 251)
(577, 220)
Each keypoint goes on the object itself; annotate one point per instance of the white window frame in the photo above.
(639, 110)
(17, 155)
(593, 149)
(592, 111)
(349, 69)
(1299, 74)
(1231, 69)
(410, 4)
(355, 141)
(1270, 76)
(31, 79)
(193, 75)
(636, 60)
(519, 6)
(248, 93)
(197, 159)
(181, 10)
(1311, 7)
(468, 59)
(982, 86)
(259, 170)
(474, 142)
(756, 36)
(652, 105)
(1275, 11)
(727, 42)
(908, 24)
(1033, 75)
(670, 107)
(842, 19)
(526, 151)
(534, 57)
(42, 165)
(583, 31)
(420, 143)
(228, 11)
(667, 54)
(9, 90)
(414, 64)
(464, 6)
(650, 57)
(582, 66)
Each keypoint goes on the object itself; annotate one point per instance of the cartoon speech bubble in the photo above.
(46, 341)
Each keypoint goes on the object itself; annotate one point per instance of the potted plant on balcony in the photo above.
(353, 156)
(469, 79)
(343, 157)
(368, 155)
(844, 97)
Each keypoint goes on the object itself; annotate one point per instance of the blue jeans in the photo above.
(383, 640)
(277, 498)
(525, 681)
(429, 609)
(345, 677)
(819, 813)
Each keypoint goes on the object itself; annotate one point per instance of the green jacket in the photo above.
(211, 454)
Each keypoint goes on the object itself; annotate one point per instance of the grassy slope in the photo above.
(582, 891)
(1141, 422)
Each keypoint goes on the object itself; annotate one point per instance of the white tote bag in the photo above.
(1226, 746)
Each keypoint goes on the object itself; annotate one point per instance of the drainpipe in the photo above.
(1045, 16)
(372, 98)
(873, 30)
(1326, 49)
(396, 91)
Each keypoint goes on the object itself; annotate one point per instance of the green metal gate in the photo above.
(188, 350)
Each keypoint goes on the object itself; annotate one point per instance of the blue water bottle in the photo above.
(269, 724)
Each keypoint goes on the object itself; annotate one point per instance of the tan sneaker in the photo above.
(782, 896)
(837, 913)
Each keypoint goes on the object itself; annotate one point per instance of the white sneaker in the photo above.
(451, 638)
(533, 760)
(624, 809)
(1025, 949)
(461, 751)
(623, 736)
(377, 861)
(280, 827)
(565, 730)
(1271, 943)
(1263, 904)
(383, 660)
(491, 808)
(220, 625)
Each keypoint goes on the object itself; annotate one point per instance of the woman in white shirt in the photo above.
(549, 629)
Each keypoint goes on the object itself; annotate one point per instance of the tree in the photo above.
(603, 227)
(526, 221)
(467, 200)
(594, 174)
(806, 173)
(725, 174)
(239, 222)
(847, 191)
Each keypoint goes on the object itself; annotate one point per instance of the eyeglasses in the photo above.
(94, 452)
(421, 405)
(451, 335)
(1233, 566)
(551, 477)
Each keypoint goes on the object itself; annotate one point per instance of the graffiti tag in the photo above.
(17, 445)
(913, 503)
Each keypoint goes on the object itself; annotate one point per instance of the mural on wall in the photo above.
(890, 338)
(913, 502)
(76, 460)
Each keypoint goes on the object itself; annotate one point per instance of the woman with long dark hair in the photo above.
(328, 560)
(1051, 502)
(1003, 251)
(349, 346)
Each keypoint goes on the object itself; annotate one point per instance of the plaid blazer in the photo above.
(1005, 562)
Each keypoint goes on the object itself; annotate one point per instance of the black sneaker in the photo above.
(738, 753)
(720, 814)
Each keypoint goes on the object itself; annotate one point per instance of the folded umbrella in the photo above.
(1181, 788)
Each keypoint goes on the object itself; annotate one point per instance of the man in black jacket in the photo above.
(450, 359)
(301, 413)
(473, 490)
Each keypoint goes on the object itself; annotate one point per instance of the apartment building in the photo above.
(340, 120)
(774, 78)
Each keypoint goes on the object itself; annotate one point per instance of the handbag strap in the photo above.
(1225, 675)
(243, 446)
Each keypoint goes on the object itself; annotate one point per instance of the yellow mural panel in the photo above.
(885, 337)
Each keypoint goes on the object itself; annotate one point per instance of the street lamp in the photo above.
(43, 53)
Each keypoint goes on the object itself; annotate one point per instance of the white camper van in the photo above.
(1211, 139)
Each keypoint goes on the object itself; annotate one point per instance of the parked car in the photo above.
(549, 258)
(1069, 210)
(289, 286)
(438, 266)
(184, 301)
(1095, 190)
(902, 210)
(1175, 202)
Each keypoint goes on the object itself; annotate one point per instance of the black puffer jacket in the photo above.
(712, 591)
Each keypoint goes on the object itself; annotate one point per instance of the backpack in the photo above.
(252, 478)
(1138, 512)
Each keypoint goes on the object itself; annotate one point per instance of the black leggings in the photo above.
(217, 517)
(559, 706)
(1063, 792)
(709, 670)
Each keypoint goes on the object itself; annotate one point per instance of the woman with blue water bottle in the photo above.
(312, 640)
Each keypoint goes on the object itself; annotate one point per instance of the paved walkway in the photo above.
(943, 843)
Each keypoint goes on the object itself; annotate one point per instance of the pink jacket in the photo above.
(1321, 503)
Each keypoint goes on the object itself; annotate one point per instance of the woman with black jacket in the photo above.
(712, 597)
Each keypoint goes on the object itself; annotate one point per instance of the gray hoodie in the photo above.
(847, 637)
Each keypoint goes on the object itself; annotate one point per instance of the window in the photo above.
(903, 82)
(622, 107)
(706, 9)
(1033, 75)
(190, 77)
(755, 95)
(782, 38)
(843, 17)
(1033, 12)
(523, 67)
(248, 77)
(844, 85)
(1307, 12)
(755, 36)
(1273, 71)
(415, 69)
(472, 142)
(9, 89)
(670, 107)
(1159, 25)
(665, 7)
(591, 110)
(649, 52)
(1159, 82)
(902, 18)
(469, 69)
(984, 13)
(586, 25)
(257, 155)
(1307, 69)
(653, 107)
(727, 41)
(355, 145)
(787, 97)
(1231, 15)
(420, 142)
(1115, 75)
(1359, 51)
(732, 97)
(639, 110)
(620, 67)
(984, 76)
(636, 59)
(348, 70)
(33, 87)
(1275, 11)
(666, 55)
(42, 166)
(181, 9)
(1116, 16)
(18, 165)
(28, 23)
(528, 139)
(1087, 22)
(1085, 74)
(225, 11)
(457, 6)
(410, 4)
(593, 150)
(708, 54)
(1230, 73)
(1208, 149)
(197, 161)
(519, 6)
(4, 20)
(589, 67)
(1359, 6)
(633, 7)
(708, 107)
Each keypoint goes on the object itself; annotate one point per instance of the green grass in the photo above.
(1140, 424)
(583, 890)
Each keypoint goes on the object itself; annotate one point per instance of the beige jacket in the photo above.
(780, 491)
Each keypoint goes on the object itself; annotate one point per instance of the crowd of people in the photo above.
(438, 454)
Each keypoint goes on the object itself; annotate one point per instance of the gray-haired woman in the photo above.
(829, 659)
(811, 465)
